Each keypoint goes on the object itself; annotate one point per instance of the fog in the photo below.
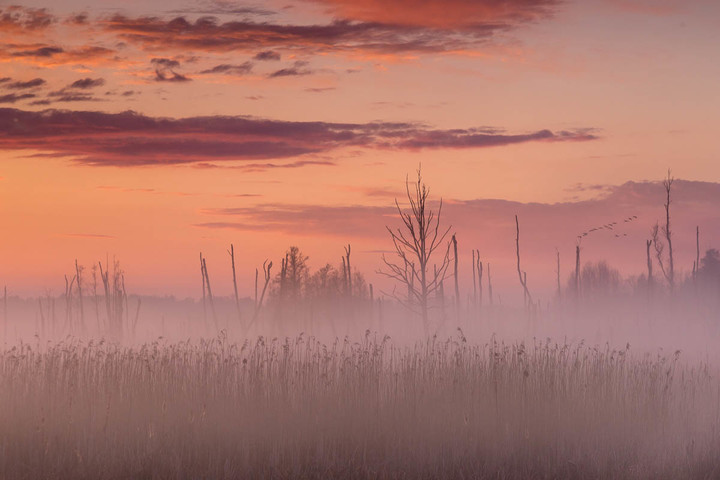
(319, 375)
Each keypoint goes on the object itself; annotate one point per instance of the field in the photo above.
(300, 408)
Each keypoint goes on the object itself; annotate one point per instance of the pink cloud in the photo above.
(129, 139)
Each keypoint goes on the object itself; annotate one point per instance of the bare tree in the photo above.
(521, 275)
(206, 285)
(667, 183)
(235, 289)
(457, 285)
(415, 245)
(258, 303)
(648, 243)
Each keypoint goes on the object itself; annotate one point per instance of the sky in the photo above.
(151, 131)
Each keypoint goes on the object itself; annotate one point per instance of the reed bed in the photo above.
(299, 408)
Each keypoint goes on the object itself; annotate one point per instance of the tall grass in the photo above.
(298, 408)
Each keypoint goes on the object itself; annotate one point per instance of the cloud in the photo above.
(5, 79)
(89, 235)
(87, 83)
(224, 7)
(320, 89)
(297, 69)
(164, 63)
(262, 167)
(343, 221)
(129, 138)
(42, 52)
(342, 36)
(267, 55)
(165, 70)
(449, 14)
(164, 76)
(35, 82)
(51, 55)
(72, 97)
(77, 19)
(15, 19)
(12, 97)
(241, 69)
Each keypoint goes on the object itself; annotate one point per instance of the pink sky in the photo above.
(154, 130)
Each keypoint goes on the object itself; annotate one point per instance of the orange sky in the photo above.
(273, 124)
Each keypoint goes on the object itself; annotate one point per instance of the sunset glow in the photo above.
(150, 131)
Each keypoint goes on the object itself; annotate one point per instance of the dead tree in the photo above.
(204, 289)
(258, 303)
(659, 248)
(650, 280)
(577, 271)
(457, 285)
(95, 297)
(235, 289)
(68, 302)
(206, 283)
(696, 263)
(490, 291)
(667, 183)
(78, 273)
(115, 297)
(255, 303)
(474, 297)
(349, 270)
(523, 278)
(480, 275)
(415, 245)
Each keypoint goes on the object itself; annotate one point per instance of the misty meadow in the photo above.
(362, 239)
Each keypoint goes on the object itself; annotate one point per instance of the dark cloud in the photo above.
(267, 55)
(52, 55)
(42, 52)
(5, 79)
(12, 97)
(87, 83)
(262, 167)
(207, 34)
(15, 18)
(129, 138)
(165, 63)
(74, 97)
(35, 82)
(241, 69)
(77, 19)
(224, 7)
(165, 70)
(298, 68)
(164, 76)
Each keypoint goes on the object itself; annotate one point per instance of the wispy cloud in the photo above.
(341, 36)
(228, 69)
(297, 69)
(89, 235)
(128, 138)
(35, 82)
(14, 97)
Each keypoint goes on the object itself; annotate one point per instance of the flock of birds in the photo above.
(609, 226)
